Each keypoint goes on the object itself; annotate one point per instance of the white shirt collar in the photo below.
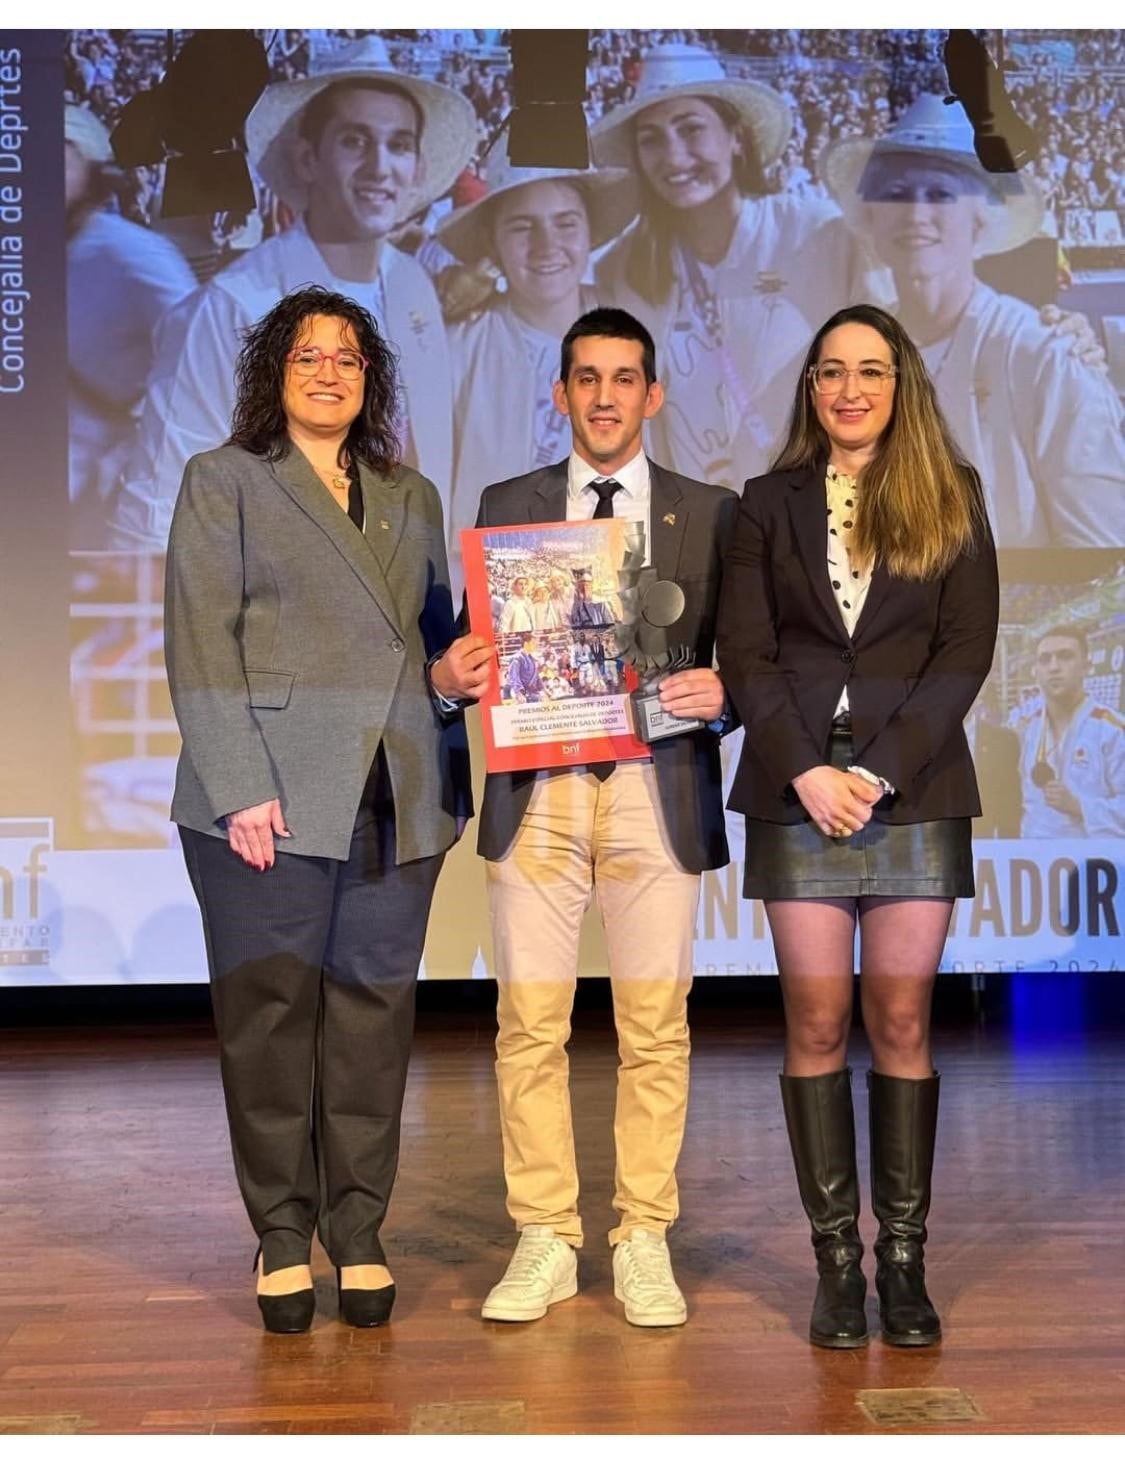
(633, 476)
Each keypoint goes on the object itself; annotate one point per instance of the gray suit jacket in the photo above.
(295, 645)
(691, 522)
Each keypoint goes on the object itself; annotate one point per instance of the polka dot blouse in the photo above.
(850, 581)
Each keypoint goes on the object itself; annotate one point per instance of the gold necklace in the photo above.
(341, 481)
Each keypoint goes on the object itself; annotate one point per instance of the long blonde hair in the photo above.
(921, 504)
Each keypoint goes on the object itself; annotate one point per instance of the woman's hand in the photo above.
(252, 830)
(839, 803)
(465, 668)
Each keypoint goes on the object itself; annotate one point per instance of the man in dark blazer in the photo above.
(638, 834)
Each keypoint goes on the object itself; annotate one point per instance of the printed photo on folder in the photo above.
(548, 597)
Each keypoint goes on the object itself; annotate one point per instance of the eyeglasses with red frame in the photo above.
(308, 359)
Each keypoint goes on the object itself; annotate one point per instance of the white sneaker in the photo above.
(643, 1281)
(543, 1270)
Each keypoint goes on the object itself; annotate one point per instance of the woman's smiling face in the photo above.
(686, 151)
(854, 418)
(924, 216)
(542, 240)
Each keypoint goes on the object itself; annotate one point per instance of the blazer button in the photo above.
(848, 656)
(397, 645)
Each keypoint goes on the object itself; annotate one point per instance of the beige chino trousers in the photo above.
(581, 837)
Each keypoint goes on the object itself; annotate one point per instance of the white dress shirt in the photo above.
(632, 503)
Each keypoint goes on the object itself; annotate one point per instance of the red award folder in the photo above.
(546, 596)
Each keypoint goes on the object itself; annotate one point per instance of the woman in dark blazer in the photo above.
(857, 624)
(320, 784)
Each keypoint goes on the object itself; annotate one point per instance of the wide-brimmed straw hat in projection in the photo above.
(610, 196)
(931, 130)
(681, 70)
(449, 126)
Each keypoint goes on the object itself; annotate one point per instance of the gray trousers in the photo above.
(313, 968)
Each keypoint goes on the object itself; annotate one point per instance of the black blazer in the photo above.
(920, 653)
(691, 522)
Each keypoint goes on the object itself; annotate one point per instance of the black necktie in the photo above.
(605, 490)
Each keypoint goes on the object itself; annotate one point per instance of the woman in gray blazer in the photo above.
(320, 782)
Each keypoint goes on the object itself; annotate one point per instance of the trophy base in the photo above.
(652, 722)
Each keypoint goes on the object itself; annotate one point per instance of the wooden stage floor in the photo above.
(126, 1298)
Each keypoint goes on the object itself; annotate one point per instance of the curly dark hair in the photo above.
(259, 422)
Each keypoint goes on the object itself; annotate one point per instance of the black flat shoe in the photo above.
(365, 1307)
(288, 1312)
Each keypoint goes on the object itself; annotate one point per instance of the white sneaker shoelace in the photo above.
(532, 1252)
(647, 1269)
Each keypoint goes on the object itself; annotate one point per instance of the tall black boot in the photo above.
(903, 1116)
(821, 1126)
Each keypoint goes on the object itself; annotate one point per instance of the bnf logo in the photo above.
(24, 935)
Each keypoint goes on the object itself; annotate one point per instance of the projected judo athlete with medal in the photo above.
(857, 625)
(320, 784)
(354, 151)
(636, 835)
(1072, 753)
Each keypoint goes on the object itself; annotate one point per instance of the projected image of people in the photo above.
(537, 227)
(121, 281)
(1044, 428)
(744, 185)
(349, 153)
(1072, 745)
(716, 261)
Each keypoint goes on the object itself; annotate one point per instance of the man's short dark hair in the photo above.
(1065, 631)
(609, 324)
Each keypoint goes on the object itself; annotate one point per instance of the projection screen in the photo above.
(119, 329)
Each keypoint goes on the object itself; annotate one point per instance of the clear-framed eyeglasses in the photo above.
(830, 379)
(307, 360)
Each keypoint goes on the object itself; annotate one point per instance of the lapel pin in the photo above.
(384, 524)
(669, 519)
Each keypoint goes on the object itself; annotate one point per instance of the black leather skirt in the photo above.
(924, 859)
